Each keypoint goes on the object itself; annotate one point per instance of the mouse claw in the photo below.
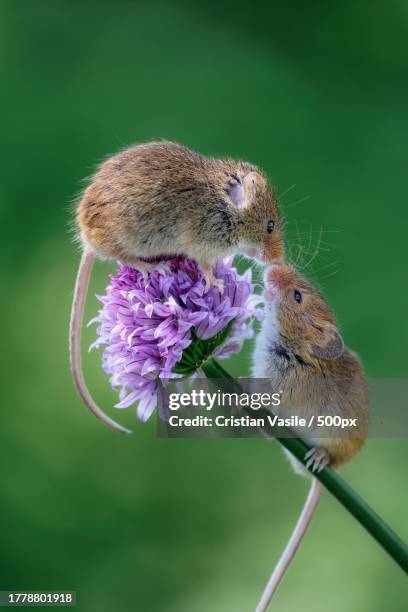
(317, 459)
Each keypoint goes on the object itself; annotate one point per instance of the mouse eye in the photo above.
(298, 296)
(270, 226)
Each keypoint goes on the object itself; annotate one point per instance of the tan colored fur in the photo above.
(157, 200)
(161, 199)
(301, 351)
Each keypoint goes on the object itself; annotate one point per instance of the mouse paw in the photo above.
(219, 283)
(212, 281)
(317, 459)
(162, 267)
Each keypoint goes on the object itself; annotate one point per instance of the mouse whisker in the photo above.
(281, 195)
(315, 252)
(325, 242)
(300, 201)
(333, 263)
(325, 278)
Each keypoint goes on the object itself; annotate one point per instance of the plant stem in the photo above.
(345, 494)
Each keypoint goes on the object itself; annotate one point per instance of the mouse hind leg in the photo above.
(317, 459)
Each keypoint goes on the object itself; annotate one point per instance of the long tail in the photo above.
(77, 315)
(292, 546)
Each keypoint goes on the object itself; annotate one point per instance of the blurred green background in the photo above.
(317, 94)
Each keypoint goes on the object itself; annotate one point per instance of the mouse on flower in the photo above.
(157, 201)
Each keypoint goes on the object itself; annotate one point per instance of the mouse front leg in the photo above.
(145, 267)
(207, 270)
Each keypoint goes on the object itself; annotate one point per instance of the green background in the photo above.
(317, 94)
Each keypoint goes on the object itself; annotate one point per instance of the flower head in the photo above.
(163, 324)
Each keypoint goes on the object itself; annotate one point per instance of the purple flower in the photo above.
(148, 320)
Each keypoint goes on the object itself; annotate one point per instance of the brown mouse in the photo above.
(300, 350)
(156, 200)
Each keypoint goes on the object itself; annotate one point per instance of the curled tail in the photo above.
(77, 315)
(292, 546)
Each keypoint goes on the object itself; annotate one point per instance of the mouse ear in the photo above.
(242, 188)
(330, 346)
(236, 192)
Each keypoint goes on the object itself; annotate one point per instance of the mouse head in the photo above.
(260, 234)
(303, 317)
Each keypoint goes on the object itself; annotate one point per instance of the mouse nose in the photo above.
(275, 275)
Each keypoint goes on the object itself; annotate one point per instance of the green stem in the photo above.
(366, 516)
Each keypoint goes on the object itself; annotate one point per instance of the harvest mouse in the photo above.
(300, 350)
(157, 200)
